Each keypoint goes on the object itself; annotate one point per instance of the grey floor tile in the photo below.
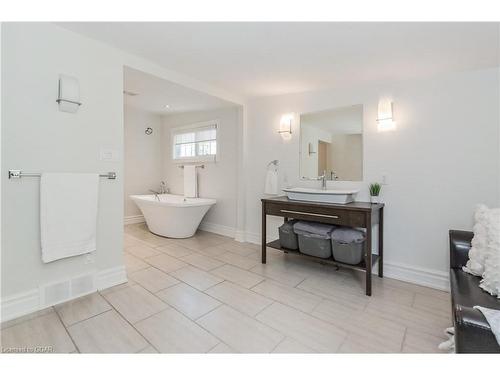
(171, 332)
(241, 332)
(153, 279)
(135, 303)
(74, 311)
(197, 278)
(238, 276)
(43, 333)
(107, 333)
(305, 329)
(239, 298)
(188, 300)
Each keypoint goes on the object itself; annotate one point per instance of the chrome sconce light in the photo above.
(286, 126)
(68, 96)
(385, 119)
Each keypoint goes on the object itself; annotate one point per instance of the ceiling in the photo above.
(155, 93)
(260, 59)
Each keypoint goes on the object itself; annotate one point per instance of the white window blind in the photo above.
(196, 142)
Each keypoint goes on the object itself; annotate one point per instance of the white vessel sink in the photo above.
(340, 196)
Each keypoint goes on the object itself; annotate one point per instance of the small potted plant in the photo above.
(375, 192)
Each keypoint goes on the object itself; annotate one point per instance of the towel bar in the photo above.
(202, 166)
(16, 173)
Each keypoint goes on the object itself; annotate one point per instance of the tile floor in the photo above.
(211, 294)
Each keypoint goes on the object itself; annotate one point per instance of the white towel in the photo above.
(68, 214)
(190, 182)
(271, 186)
(493, 318)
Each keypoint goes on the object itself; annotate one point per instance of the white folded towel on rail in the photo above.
(68, 214)
(271, 185)
(190, 182)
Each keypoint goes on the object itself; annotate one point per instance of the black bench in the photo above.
(472, 331)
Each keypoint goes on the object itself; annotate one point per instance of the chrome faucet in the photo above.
(321, 178)
(163, 190)
(163, 187)
(156, 194)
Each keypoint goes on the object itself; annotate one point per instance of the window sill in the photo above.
(211, 159)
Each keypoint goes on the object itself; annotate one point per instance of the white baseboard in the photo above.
(417, 275)
(19, 304)
(403, 272)
(31, 301)
(218, 229)
(135, 219)
(251, 237)
(239, 236)
(111, 277)
(255, 238)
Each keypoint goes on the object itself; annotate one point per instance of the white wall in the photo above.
(440, 162)
(344, 120)
(36, 137)
(143, 155)
(217, 180)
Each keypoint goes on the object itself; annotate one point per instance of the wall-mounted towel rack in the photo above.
(16, 173)
(202, 166)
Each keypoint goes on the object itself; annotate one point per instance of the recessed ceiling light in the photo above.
(167, 106)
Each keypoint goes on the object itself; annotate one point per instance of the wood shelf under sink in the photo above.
(362, 265)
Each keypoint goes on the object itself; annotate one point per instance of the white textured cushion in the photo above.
(491, 275)
(479, 243)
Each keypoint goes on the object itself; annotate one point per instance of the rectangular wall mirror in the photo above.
(332, 141)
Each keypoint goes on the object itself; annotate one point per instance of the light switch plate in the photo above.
(89, 258)
(108, 154)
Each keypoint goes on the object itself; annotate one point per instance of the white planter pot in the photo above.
(374, 199)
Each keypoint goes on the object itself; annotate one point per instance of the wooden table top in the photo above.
(354, 206)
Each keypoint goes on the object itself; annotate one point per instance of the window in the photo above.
(197, 142)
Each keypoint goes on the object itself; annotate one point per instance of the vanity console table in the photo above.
(356, 214)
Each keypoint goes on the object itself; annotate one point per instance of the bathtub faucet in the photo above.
(156, 194)
(163, 187)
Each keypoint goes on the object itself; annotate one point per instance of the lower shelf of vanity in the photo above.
(277, 245)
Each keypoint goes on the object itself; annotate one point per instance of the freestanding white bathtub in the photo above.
(173, 215)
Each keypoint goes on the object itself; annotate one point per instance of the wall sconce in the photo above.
(68, 94)
(286, 126)
(385, 118)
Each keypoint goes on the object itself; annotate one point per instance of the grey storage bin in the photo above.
(315, 245)
(288, 238)
(314, 238)
(313, 227)
(348, 245)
